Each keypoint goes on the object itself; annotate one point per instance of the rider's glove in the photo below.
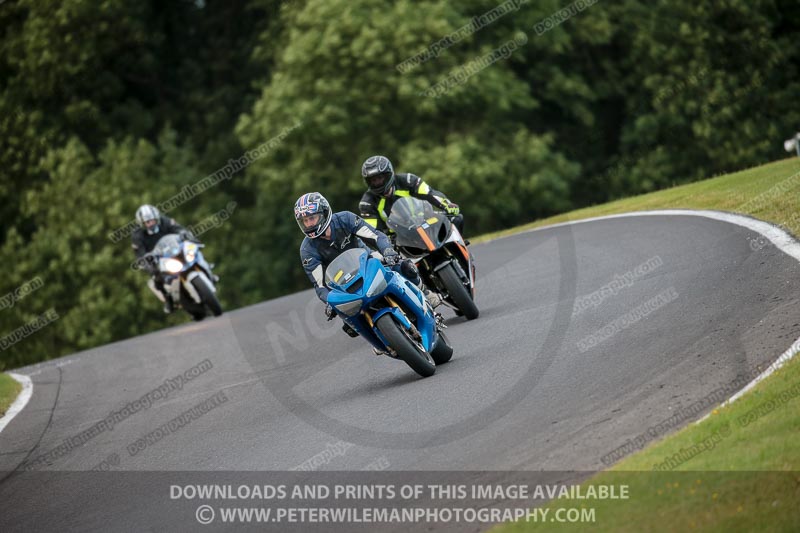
(329, 312)
(149, 264)
(451, 208)
(390, 257)
(186, 235)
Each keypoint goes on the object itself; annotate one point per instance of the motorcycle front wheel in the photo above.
(458, 292)
(406, 347)
(208, 297)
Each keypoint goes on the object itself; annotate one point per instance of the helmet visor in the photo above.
(307, 222)
(378, 181)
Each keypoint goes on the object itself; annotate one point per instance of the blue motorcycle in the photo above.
(387, 310)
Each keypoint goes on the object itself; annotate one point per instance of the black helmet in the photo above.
(145, 214)
(309, 205)
(378, 174)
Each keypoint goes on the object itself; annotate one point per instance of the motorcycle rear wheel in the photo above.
(443, 351)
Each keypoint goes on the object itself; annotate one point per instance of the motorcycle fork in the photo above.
(414, 331)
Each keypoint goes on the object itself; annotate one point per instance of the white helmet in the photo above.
(146, 213)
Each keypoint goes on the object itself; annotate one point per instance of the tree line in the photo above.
(108, 105)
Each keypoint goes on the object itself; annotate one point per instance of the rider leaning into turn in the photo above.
(153, 226)
(329, 234)
(385, 187)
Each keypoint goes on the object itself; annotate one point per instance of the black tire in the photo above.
(458, 292)
(196, 311)
(443, 351)
(208, 296)
(407, 349)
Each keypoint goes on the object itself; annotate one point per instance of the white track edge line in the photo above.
(781, 239)
(21, 401)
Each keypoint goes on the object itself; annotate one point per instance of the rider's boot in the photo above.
(433, 298)
(169, 306)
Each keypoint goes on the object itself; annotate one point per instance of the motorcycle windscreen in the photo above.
(168, 246)
(344, 268)
(417, 224)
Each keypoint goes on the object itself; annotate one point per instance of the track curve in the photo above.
(534, 384)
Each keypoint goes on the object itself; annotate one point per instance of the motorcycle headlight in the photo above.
(378, 285)
(190, 250)
(350, 308)
(171, 265)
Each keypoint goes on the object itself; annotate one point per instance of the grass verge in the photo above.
(738, 470)
(9, 388)
(769, 192)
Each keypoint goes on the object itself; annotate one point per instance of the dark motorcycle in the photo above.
(425, 235)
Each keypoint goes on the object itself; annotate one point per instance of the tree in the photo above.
(341, 83)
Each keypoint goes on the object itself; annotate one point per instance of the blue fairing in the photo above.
(402, 291)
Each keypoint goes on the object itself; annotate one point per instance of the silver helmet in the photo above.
(145, 214)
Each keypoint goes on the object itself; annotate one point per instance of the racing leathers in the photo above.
(375, 209)
(347, 232)
(143, 243)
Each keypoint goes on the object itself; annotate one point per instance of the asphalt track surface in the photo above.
(521, 393)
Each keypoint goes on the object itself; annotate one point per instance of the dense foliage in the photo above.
(107, 104)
